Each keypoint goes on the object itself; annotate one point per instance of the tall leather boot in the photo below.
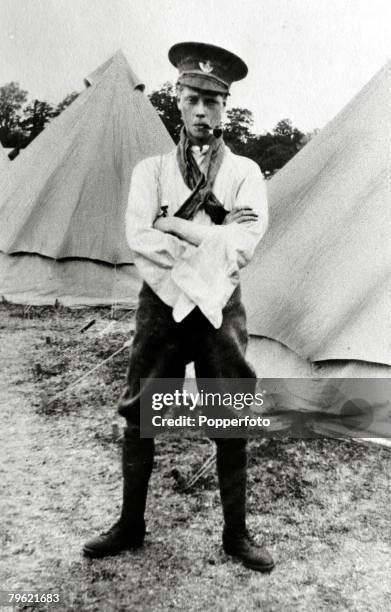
(129, 531)
(232, 475)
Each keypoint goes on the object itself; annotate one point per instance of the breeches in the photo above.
(162, 348)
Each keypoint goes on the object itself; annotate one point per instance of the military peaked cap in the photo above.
(206, 67)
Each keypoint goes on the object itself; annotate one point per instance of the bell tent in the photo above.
(318, 291)
(62, 208)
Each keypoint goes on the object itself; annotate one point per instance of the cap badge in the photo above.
(206, 67)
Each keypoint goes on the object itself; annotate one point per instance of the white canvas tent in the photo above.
(318, 291)
(62, 209)
(319, 286)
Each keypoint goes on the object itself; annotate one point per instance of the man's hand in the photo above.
(240, 215)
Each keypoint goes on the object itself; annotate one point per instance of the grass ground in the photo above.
(322, 506)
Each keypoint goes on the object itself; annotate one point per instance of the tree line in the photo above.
(21, 121)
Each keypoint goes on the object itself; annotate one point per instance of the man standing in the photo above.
(194, 218)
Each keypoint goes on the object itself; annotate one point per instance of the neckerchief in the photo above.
(201, 185)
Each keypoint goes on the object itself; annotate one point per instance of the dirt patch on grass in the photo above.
(322, 506)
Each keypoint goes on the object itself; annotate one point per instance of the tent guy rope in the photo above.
(126, 345)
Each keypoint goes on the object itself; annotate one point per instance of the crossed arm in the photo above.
(158, 243)
(195, 233)
(181, 260)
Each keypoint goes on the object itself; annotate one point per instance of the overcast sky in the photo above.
(306, 58)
